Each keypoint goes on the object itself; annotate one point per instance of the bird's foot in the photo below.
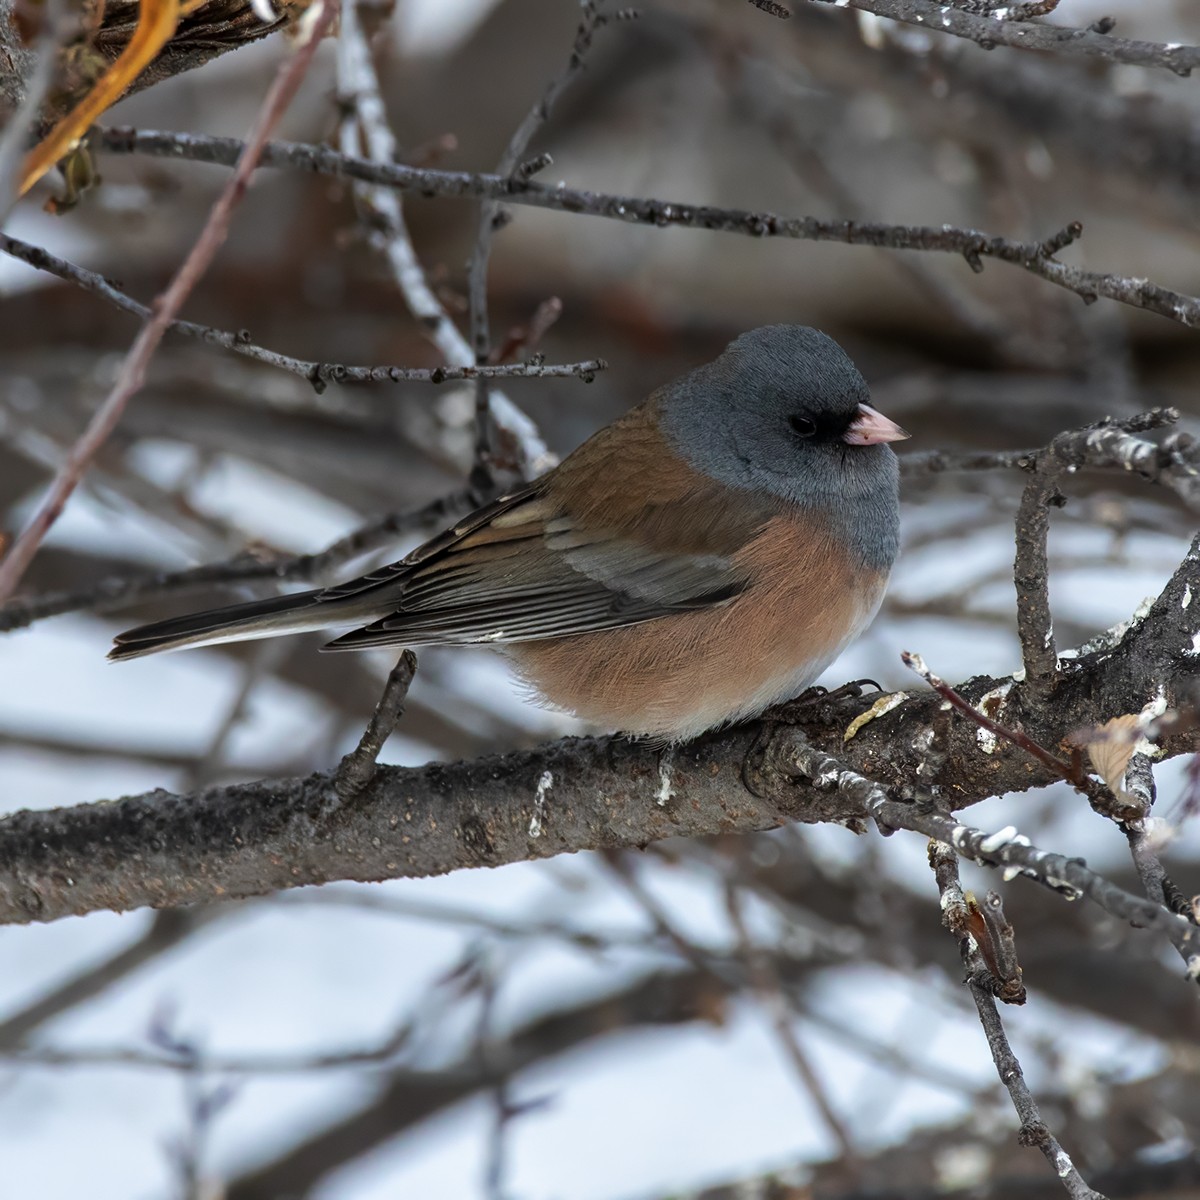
(792, 712)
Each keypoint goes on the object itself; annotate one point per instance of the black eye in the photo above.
(802, 425)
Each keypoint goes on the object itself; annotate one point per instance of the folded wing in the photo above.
(527, 572)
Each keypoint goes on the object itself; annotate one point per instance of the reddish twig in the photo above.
(1100, 798)
(133, 369)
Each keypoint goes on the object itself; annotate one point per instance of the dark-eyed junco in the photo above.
(704, 556)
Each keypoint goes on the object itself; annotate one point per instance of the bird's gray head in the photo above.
(785, 411)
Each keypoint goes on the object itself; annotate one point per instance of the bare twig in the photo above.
(996, 29)
(1031, 576)
(1017, 737)
(805, 144)
(1173, 463)
(356, 770)
(1038, 258)
(766, 982)
(319, 373)
(203, 1104)
(1006, 849)
(165, 1057)
(366, 119)
(121, 590)
(132, 372)
(1033, 1132)
(1139, 781)
(165, 931)
(491, 215)
(528, 336)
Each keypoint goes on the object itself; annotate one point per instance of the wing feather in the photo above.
(521, 569)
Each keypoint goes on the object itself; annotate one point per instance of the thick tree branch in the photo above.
(1038, 258)
(225, 842)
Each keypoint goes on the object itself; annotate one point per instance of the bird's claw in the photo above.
(792, 712)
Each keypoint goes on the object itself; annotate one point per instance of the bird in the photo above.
(699, 560)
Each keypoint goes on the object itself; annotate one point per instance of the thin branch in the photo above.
(120, 590)
(491, 216)
(1062, 769)
(366, 118)
(996, 29)
(1031, 577)
(805, 145)
(1139, 782)
(165, 931)
(1099, 796)
(1038, 258)
(1110, 444)
(132, 372)
(765, 981)
(1034, 1131)
(411, 1097)
(1006, 849)
(319, 373)
(357, 769)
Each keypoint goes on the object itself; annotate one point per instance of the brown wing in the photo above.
(521, 570)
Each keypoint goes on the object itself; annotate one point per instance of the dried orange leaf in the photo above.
(157, 20)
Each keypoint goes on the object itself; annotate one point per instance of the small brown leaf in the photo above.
(1111, 747)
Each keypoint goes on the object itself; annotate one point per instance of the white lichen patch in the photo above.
(1112, 637)
(665, 788)
(998, 840)
(1150, 712)
(1187, 596)
(990, 704)
(544, 784)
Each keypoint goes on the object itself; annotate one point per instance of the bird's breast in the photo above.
(676, 676)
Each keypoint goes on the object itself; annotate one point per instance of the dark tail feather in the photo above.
(239, 622)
